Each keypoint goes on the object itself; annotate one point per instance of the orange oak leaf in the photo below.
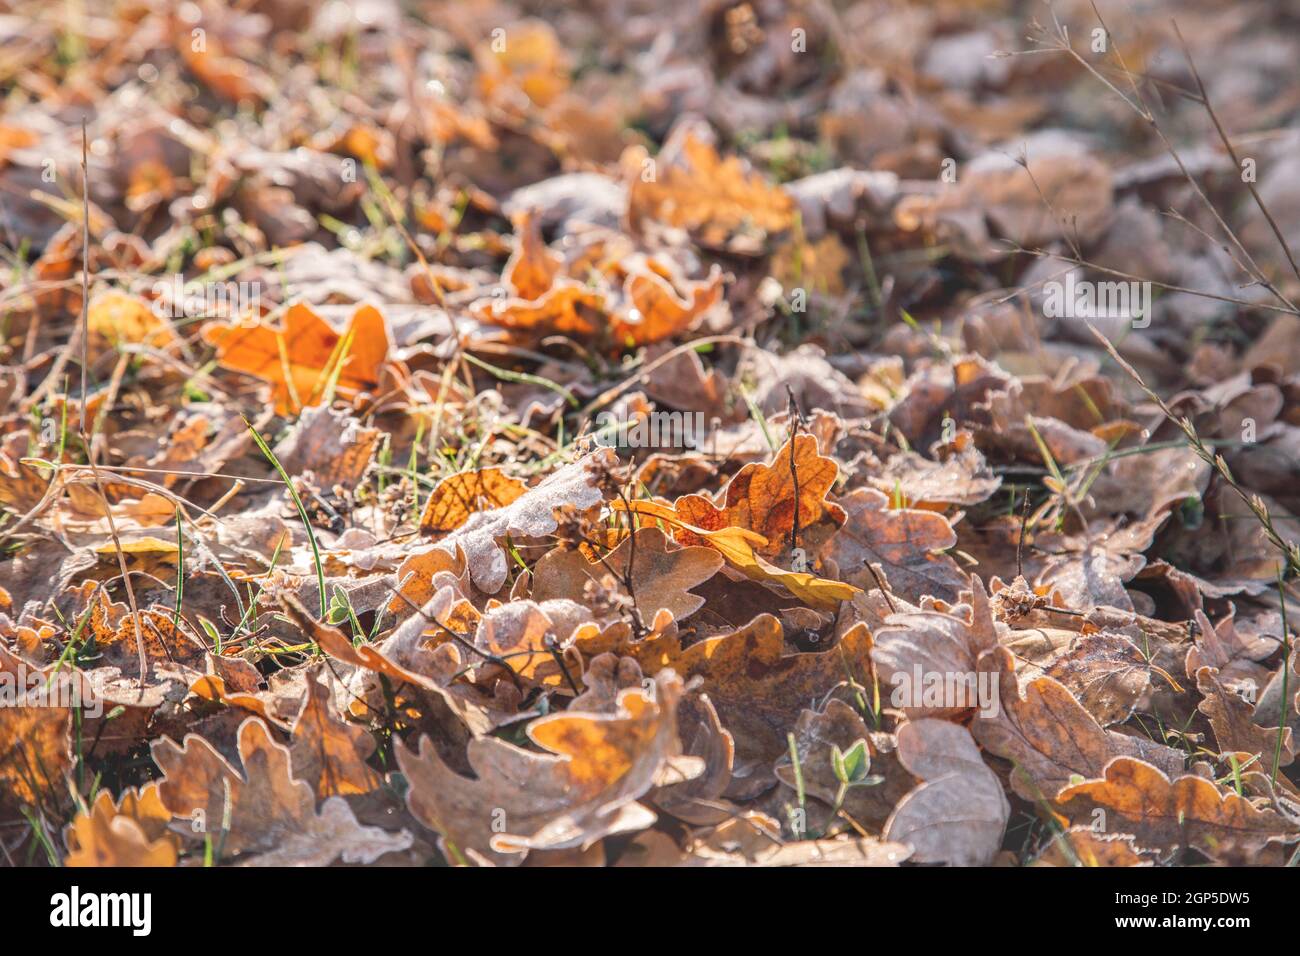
(300, 359)
(567, 308)
(131, 831)
(656, 310)
(530, 515)
(35, 752)
(584, 785)
(1084, 846)
(116, 318)
(531, 269)
(711, 197)
(738, 546)
(1138, 798)
(762, 498)
(757, 689)
(530, 59)
(457, 497)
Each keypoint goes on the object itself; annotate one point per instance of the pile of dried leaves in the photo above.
(649, 434)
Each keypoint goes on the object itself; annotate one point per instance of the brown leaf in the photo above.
(711, 197)
(757, 689)
(816, 733)
(332, 445)
(1190, 811)
(905, 542)
(958, 814)
(916, 649)
(35, 754)
(328, 753)
(581, 788)
(1106, 672)
(1084, 846)
(662, 575)
(1233, 721)
(270, 813)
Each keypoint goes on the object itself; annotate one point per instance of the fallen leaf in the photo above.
(583, 786)
(1189, 811)
(958, 814)
(300, 359)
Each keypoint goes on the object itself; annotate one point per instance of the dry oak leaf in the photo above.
(300, 359)
(698, 801)
(656, 311)
(662, 575)
(212, 687)
(229, 77)
(961, 476)
(270, 812)
(818, 266)
(567, 308)
(906, 542)
(1106, 672)
(531, 515)
(762, 498)
(959, 813)
(583, 787)
(167, 648)
(457, 497)
(129, 832)
(523, 633)
(327, 753)
(916, 646)
(22, 486)
(1224, 647)
(757, 689)
(754, 839)
(1233, 721)
(529, 59)
(737, 546)
(1049, 737)
(710, 197)
(1084, 846)
(1138, 798)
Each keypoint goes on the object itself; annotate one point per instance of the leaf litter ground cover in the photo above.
(625, 434)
